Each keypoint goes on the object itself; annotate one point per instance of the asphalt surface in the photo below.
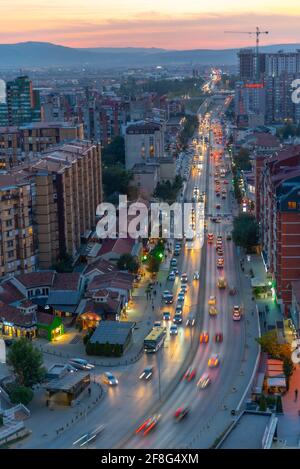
(125, 406)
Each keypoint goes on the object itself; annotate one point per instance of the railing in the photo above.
(8, 431)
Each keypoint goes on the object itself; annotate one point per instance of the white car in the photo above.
(203, 381)
(196, 275)
(166, 294)
(81, 364)
(173, 329)
(109, 378)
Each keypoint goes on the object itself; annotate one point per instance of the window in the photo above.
(8, 222)
(292, 205)
(11, 254)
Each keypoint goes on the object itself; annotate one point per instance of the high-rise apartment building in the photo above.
(22, 103)
(30, 140)
(68, 188)
(17, 252)
(279, 216)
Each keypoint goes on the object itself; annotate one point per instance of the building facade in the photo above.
(144, 141)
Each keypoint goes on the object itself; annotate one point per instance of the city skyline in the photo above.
(145, 24)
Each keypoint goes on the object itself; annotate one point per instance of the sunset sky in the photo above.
(171, 24)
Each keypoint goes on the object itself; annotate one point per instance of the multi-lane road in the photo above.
(125, 406)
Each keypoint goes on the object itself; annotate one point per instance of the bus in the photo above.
(189, 242)
(154, 339)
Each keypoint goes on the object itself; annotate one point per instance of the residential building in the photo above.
(250, 104)
(22, 101)
(279, 216)
(17, 251)
(295, 306)
(68, 189)
(29, 140)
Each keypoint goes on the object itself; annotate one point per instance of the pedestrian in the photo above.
(265, 324)
(152, 307)
(154, 292)
(296, 394)
(252, 313)
(89, 391)
(160, 284)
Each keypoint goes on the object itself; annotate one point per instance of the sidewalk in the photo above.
(289, 423)
(58, 418)
(140, 311)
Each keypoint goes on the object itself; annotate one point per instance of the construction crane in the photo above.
(257, 32)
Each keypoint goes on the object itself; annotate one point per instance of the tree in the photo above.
(20, 394)
(114, 152)
(288, 369)
(115, 180)
(279, 409)
(262, 403)
(245, 231)
(128, 262)
(27, 363)
(153, 264)
(242, 160)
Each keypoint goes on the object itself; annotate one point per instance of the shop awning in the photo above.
(276, 382)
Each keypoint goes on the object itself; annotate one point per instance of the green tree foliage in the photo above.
(245, 231)
(115, 180)
(262, 403)
(171, 88)
(167, 191)
(190, 125)
(128, 262)
(27, 363)
(19, 394)
(242, 160)
(114, 152)
(288, 130)
(288, 369)
(64, 263)
(153, 264)
(279, 408)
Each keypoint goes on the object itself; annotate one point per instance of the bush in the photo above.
(279, 409)
(20, 394)
(262, 403)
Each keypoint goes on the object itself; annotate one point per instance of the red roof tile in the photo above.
(66, 281)
(36, 279)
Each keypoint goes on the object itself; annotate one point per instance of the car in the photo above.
(212, 300)
(175, 270)
(184, 278)
(178, 245)
(166, 294)
(110, 379)
(213, 360)
(219, 337)
(225, 181)
(147, 373)
(173, 262)
(220, 263)
(81, 364)
(210, 238)
(196, 275)
(190, 320)
(236, 313)
(169, 300)
(218, 206)
(213, 311)
(173, 329)
(220, 251)
(204, 381)
(157, 324)
(177, 252)
(189, 374)
(219, 238)
(166, 316)
(184, 288)
(228, 237)
(222, 282)
(180, 300)
(171, 276)
(181, 412)
(204, 337)
(178, 309)
(148, 425)
(177, 319)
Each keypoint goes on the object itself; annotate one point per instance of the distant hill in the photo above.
(43, 54)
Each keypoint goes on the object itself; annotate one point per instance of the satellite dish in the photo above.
(2, 351)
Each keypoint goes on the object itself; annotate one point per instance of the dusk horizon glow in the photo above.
(172, 25)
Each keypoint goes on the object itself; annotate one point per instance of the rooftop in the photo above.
(248, 432)
(113, 332)
(67, 382)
